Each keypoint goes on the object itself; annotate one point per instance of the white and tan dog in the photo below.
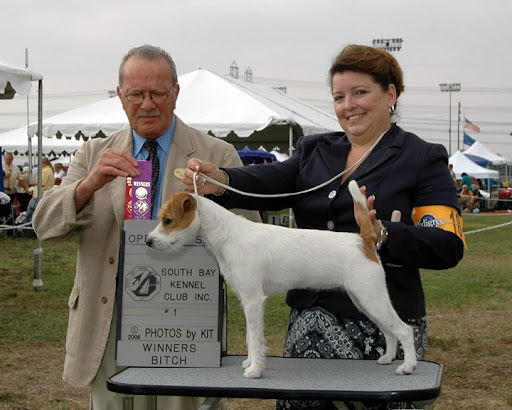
(259, 260)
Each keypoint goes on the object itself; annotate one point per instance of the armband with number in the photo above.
(439, 216)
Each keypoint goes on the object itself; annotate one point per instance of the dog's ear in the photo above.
(188, 203)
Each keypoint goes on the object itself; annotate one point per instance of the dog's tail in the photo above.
(365, 224)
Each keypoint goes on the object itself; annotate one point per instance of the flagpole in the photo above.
(458, 130)
(449, 88)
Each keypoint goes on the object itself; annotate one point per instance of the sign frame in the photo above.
(209, 353)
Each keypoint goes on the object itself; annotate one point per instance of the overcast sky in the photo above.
(77, 47)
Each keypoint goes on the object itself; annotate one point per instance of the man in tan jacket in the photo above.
(90, 202)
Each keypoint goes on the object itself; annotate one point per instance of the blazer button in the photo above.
(332, 194)
(104, 299)
(111, 260)
(330, 225)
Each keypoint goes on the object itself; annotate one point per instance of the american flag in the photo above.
(470, 126)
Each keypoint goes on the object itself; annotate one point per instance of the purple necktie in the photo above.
(152, 146)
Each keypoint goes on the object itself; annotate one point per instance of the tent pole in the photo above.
(38, 251)
(30, 159)
(290, 151)
(29, 141)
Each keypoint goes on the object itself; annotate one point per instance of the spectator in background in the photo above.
(59, 172)
(465, 180)
(23, 194)
(452, 174)
(467, 199)
(47, 180)
(12, 176)
(475, 185)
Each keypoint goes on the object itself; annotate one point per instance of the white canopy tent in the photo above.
(480, 150)
(224, 105)
(15, 141)
(241, 112)
(461, 164)
(103, 117)
(19, 80)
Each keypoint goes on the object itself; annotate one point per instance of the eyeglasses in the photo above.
(157, 97)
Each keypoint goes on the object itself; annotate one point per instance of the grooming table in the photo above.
(284, 378)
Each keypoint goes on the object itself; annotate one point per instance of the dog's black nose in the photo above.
(149, 241)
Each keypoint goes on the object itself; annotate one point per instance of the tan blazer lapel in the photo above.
(181, 151)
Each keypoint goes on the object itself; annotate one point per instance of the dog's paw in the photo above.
(253, 373)
(385, 359)
(246, 363)
(405, 368)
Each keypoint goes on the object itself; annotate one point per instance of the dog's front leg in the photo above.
(254, 309)
(247, 362)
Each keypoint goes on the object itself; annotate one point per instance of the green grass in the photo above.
(276, 323)
(482, 279)
(26, 315)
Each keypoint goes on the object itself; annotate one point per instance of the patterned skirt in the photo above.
(318, 333)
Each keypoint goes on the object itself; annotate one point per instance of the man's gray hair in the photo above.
(148, 52)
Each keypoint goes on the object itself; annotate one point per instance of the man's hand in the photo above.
(112, 163)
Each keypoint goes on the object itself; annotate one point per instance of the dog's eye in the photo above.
(167, 221)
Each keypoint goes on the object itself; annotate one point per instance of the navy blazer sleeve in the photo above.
(418, 246)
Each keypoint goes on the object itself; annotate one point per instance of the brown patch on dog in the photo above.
(366, 234)
(178, 212)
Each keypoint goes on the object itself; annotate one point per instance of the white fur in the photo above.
(258, 260)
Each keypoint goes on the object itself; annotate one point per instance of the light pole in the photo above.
(450, 88)
(388, 44)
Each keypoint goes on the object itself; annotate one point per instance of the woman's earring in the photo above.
(392, 109)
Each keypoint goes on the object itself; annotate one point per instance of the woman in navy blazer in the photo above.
(402, 172)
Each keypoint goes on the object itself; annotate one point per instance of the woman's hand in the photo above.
(377, 224)
(210, 170)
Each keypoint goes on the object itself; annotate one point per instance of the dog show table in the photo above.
(284, 378)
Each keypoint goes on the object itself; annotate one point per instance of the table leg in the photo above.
(426, 404)
(127, 401)
(151, 402)
(209, 403)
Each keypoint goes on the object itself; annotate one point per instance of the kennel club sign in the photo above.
(170, 308)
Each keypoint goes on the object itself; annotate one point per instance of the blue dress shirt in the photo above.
(164, 146)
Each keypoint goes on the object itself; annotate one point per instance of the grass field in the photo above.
(469, 314)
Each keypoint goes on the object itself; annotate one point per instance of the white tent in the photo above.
(105, 116)
(461, 164)
(220, 105)
(15, 141)
(19, 78)
(480, 150)
(210, 103)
